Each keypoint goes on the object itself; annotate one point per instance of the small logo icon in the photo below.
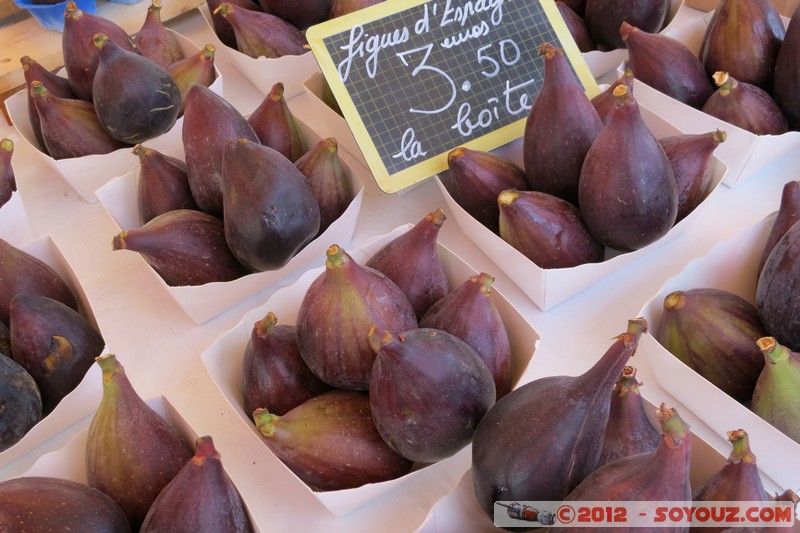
(527, 513)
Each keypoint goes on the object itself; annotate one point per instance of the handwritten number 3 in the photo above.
(424, 66)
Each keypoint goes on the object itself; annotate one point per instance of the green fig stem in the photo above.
(627, 382)
(485, 280)
(772, 350)
(333, 146)
(276, 93)
(336, 257)
(741, 447)
(507, 197)
(673, 428)
(621, 95)
(38, 88)
(626, 29)
(155, 8)
(548, 50)
(99, 39)
(118, 243)
(72, 11)
(265, 421)
(674, 301)
(223, 9)
(719, 136)
(208, 52)
(109, 365)
(7, 145)
(436, 217)
(264, 326)
(204, 450)
(724, 82)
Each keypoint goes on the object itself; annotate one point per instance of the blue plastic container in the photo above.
(52, 16)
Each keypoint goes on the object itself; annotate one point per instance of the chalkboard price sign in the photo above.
(416, 79)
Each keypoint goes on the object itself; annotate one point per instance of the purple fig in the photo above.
(54, 343)
(576, 26)
(58, 86)
(8, 183)
(604, 17)
(201, 498)
(70, 127)
(604, 102)
(33, 504)
(691, 157)
(20, 272)
(135, 98)
(331, 185)
(131, 452)
(746, 106)
(578, 6)
(476, 178)
(80, 53)
(788, 213)
(197, 68)
(666, 65)
(713, 331)
(275, 376)
(547, 229)
(413, 262)
(660, 475)
(260, 34)
(163, 184)
(301, 14)
(343, 7)
(331, 442)
(627, 193)
(154, 41)
(274, 124)
(786, 78)
(629, 431)
(428, 392)
(5, 339)
(222, 28)
(185, 247)
(336, 314)
(269, 209)
(776, 290)
(21, 401)
(469, 313)
(743, 38)
(776, 398)
(512, 461)
(203, 146)
(560, 128)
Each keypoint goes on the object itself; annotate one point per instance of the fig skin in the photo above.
(21, 401)
(343, 7)
(745, 106)
(476, 178)
(561, 126)
(428, 392)
(776, 398)
(469, 313)
(197, 68)
(163, 184)
(222, 28)
(576, 26)
(786, 78)
(154, 41)
(776, 290)
(57, 85)
(713, 331)
(547, 229)
(666, 65)
(300, 14)
(512, 461)
(8, 183)
(260, 34)
(331, 184)
(604, 17)
(604, 102)
(788, 213)
(331, 442)
(275, 126)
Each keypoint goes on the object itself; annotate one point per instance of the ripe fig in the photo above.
(603, 103)
(269, 209)
(786, 78)
(5, 340)
(201, 498)
(135, 98)
(163, 184)
(222, 28)
(343, 7)
(576, 26)
(21, 401)
(578, 6)
(197, 68)
(300, 14)
(131, 452)
(331, 442)
(33, 504)
(788, 213)
(80, 53)
(154, 41)
(560, 128)
(604, 17)
(691, 157)
(185, 247)
(776, 397)
(260, 34)
(743, 38)
(547, 229)
(629, 431)
(54, 343)
(336, 315)
(777, 288)
(70, 127)
(428, 392)
(511, 461)
(746, 106)
(660, 475)
(275, 126)
(8, 183)
(713, 331)
(203, 146)
(275, 377)
(627, 191)
(469, 313)
(57, 85)
(412, 261)
(331, 185)
(476, 178)
(20, 272)
(666, 65)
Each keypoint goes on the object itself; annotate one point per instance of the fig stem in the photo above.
(265, 421)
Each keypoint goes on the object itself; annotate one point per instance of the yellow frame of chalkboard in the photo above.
(431, 166)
